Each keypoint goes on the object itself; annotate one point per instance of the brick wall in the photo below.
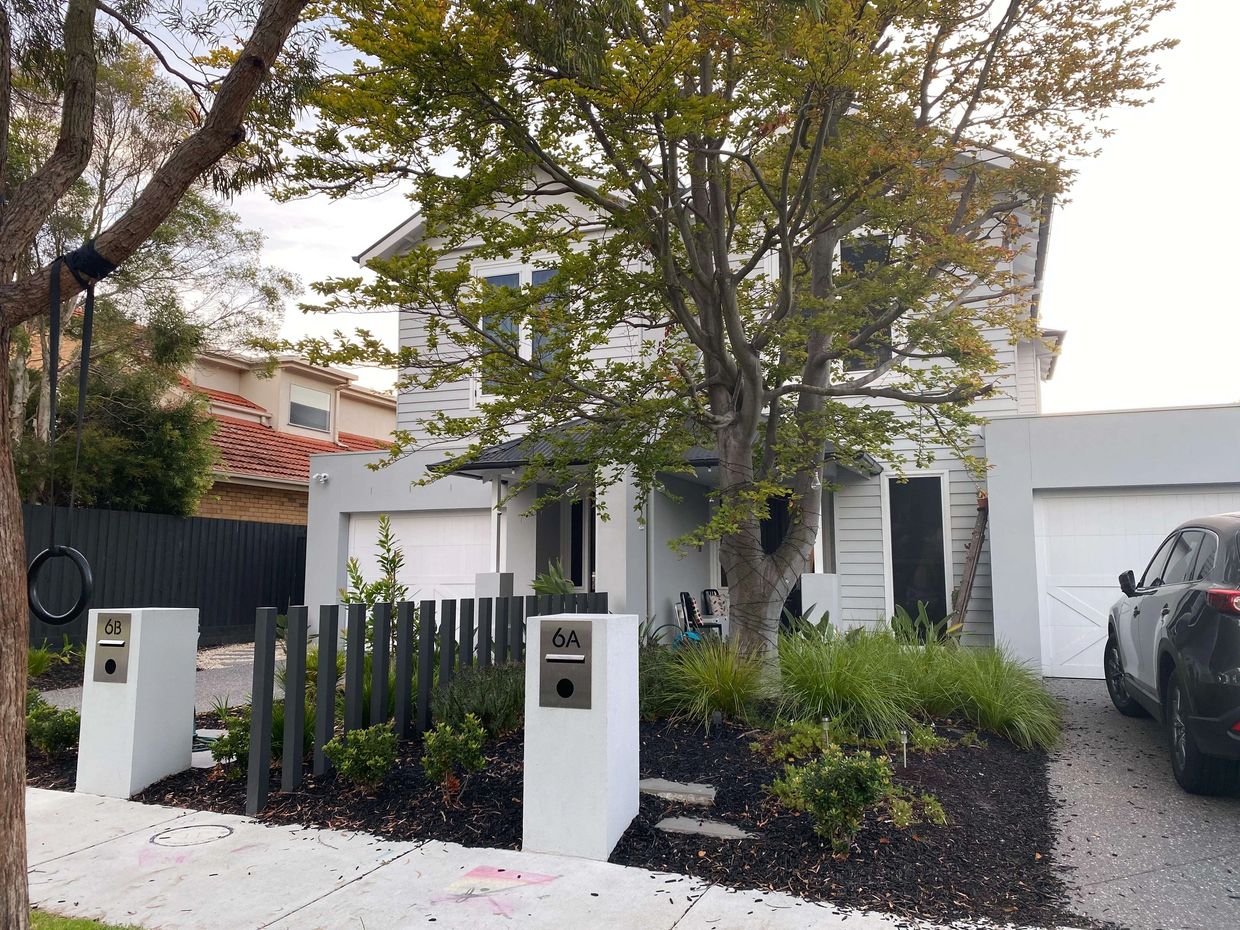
(228, 501)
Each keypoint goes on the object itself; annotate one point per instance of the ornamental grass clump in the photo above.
(713, 675)
(495, 695)
(995, 692)
(858, 680)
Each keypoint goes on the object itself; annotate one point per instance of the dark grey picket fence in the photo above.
(468, 632)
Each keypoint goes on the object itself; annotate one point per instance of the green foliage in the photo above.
(232, 750)
(836, 790)
(932, 810)
(923, 738)
(997, 693)
(387, 588)
(921, 629)
(495, 696)
(798, 739)
(712, 675)
(858, 681)
(42, 920)
(364, 757)
(50, 731)
(553, 580)
(38, 660)
(653, 674)
(451, 752)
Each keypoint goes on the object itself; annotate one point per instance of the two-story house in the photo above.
(886, 541)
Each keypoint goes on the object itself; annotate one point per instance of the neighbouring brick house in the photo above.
(270, 420)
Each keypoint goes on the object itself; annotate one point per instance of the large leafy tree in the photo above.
(724, 151)
(60, 41)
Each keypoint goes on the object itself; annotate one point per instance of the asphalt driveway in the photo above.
(1141, 852)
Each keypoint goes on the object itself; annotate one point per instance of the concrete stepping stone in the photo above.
(716, 829)
(202, 759)
(684, 792)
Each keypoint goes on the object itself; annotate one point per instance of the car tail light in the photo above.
(1235, 727)
(1224, 600)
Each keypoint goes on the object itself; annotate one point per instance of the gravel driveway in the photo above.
(1142, 852)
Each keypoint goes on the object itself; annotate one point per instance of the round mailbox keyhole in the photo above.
(564, 688)
(109, 666)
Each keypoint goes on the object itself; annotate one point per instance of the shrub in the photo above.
(797, 740)
(713, 675)
(494, 695)
(992, 691)
(451, 752)
(835, 790)
(553, 580)
(858, 681)
(49, 730)
(364, 757)
(233, 748)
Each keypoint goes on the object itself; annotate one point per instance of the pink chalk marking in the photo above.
(490, 873)
(484, 882)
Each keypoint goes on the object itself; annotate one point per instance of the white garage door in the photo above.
(444, 549)
(1084, 539)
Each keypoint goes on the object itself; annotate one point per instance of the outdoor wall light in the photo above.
(322, 478)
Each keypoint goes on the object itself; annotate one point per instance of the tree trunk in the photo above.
(14, 898)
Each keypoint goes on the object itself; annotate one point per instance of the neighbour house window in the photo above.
(540, 343)
(857, 253)
(309, 408)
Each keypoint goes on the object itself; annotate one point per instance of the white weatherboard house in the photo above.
(1073, 501)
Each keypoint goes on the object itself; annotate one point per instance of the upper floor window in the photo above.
(860, 255)
(309, 408)
(527, 341)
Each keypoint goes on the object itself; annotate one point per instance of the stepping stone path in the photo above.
(715, 829)
(685, 793)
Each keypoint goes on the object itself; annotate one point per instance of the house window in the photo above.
(525, 341)
(859, 254)
(309, 408)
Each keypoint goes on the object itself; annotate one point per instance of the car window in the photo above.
(1153, 573)
(1207, 552)
(1183, 555)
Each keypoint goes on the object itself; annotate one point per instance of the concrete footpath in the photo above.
(170, 869)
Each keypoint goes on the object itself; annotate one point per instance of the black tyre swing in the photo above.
(87, 266)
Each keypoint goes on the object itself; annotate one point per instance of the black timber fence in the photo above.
(415, 650)
(225, 568)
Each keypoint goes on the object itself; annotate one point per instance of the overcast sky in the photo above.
(1141, 257)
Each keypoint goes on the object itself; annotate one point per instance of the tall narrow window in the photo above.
(861, 255)
(502, 328)
(918, 556)
(309, 408)
(540, 337)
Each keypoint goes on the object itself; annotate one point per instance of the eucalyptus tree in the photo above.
(62, 41)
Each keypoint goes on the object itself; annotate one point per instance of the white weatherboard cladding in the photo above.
(1084, 539)
(444, 549)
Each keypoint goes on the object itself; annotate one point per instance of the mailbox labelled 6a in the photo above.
(112, 647)
(565, 659)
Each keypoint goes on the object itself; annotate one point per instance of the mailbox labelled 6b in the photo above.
(112, 648)
(564, 664)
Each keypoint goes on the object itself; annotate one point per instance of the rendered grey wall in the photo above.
(672, 572)
(1174, 447)
(353, 488)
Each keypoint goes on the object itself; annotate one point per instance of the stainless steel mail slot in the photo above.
(565, 660)
(112, 647)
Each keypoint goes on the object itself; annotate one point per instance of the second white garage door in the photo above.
(444, 549)
(1084, 539)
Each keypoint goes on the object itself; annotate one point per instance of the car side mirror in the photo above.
(1128, 583)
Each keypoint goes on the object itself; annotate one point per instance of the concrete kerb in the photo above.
(171, 869)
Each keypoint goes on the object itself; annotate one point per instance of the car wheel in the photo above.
(1113, 669)
(1196, 772)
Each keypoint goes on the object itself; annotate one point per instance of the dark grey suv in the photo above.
(1173, 650)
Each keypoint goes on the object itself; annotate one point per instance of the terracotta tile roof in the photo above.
(223, 397)
(253, 449)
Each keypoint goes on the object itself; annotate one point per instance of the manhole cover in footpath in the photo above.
(194, 835)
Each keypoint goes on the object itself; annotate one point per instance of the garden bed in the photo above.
(61, 674)
(991, 861)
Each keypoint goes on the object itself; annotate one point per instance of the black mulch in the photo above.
(60, 675)
(992, 861)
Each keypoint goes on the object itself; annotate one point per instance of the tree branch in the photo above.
(133, 30)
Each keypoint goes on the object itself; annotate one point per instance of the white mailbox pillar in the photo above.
(137, 699)
(581, 733)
